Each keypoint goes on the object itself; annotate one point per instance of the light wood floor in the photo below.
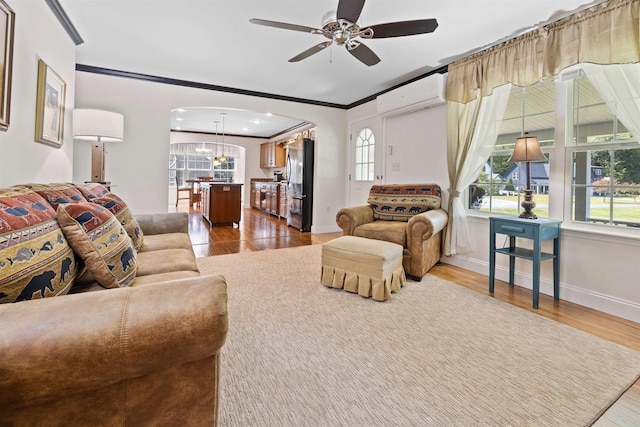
(259, 231)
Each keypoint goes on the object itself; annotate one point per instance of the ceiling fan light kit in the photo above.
(343, 31)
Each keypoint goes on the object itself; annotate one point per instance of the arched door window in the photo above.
(365, 155)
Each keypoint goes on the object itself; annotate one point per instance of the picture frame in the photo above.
(7, 24)
(50, 105)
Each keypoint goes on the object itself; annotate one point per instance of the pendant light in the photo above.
(216, 160)
(223, 158)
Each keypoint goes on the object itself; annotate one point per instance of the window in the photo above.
(500, 185)
(191, 160)
(365, 155)
(595, 162)
(605, 162)
(224, 170)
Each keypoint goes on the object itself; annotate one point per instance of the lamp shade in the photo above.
(101, 125)
(527, 149)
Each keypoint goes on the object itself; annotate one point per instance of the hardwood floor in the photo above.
(259, 231)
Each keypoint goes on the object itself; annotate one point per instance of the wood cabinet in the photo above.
(255, 194)
(269, 197)
(272, 155)
(282, 196)
(221, 203)
(272, 199)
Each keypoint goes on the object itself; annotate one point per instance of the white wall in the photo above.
(138, 169)
(38, 35)
(598, 271)
(418, 148)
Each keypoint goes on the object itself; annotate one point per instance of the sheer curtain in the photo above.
(619, 87)
(471, 137)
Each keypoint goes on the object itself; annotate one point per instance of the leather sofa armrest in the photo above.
(162, 223)
(423, 226)
(74, 343)
(349, 218)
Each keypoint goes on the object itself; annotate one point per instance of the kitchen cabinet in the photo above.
(272, 155)
(221, 203)
(255, 194)
(282, 196)
(270, 197)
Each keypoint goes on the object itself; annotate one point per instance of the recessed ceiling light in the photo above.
(245, 129)
(177, 127)
(181, 110)
(269, 114)
(179, 119)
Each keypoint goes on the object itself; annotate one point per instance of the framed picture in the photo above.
(49, 106)
(7, 20)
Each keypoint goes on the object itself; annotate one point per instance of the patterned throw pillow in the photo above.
(121, 211)
(401, 202)
(57, 194)
(35, 258)
(99, 239)
(91, 190)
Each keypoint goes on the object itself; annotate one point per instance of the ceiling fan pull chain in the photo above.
(331, 54)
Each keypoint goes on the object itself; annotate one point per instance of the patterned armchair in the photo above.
(409, 215)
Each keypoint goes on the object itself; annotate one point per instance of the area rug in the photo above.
(435, 354)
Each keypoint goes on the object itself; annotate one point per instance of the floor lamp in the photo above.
(527, 150)
(97, 126)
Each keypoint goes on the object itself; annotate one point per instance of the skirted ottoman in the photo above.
(368, 267)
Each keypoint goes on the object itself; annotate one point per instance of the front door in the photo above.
(365, 159)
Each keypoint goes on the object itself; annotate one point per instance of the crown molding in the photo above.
(197, 85)
(64, 20)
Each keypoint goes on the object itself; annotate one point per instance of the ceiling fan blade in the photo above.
(349, 10)
(363, 53)
(284, 25)
(404, 28)
(313, 50)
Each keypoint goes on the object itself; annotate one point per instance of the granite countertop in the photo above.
(284, 181)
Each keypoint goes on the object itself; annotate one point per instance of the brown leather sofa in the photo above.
(146, 354)
(407, 214)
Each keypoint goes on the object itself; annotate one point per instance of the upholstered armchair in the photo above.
(409, 215)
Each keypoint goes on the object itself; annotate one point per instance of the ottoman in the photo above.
(368, 267)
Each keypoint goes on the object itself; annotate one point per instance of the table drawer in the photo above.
(514, 229)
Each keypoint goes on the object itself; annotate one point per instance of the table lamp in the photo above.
(527, 150)
(97, 126)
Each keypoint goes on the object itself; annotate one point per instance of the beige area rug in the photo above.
(436, 354)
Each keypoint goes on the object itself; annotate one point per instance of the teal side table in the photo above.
(537, 230)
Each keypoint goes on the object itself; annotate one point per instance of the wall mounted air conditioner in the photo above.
(414, 96)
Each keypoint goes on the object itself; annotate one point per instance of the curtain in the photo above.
(216, 149)
(608, 33)
(472, 132)
(619, 87)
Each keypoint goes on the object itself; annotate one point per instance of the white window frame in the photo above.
(561, 170)
(370, 143)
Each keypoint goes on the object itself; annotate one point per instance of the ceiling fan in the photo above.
(344, 31)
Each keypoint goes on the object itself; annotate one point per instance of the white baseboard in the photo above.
(595, 300)
(325, 229)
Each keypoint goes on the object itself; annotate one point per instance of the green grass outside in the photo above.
(629, 209)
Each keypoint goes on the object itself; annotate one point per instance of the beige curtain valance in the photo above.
(608, 33)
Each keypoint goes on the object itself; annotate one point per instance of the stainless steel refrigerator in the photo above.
(300, 184)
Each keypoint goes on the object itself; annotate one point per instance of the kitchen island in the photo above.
(221, 202)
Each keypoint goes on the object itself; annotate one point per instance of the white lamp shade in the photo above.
(101, 125)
